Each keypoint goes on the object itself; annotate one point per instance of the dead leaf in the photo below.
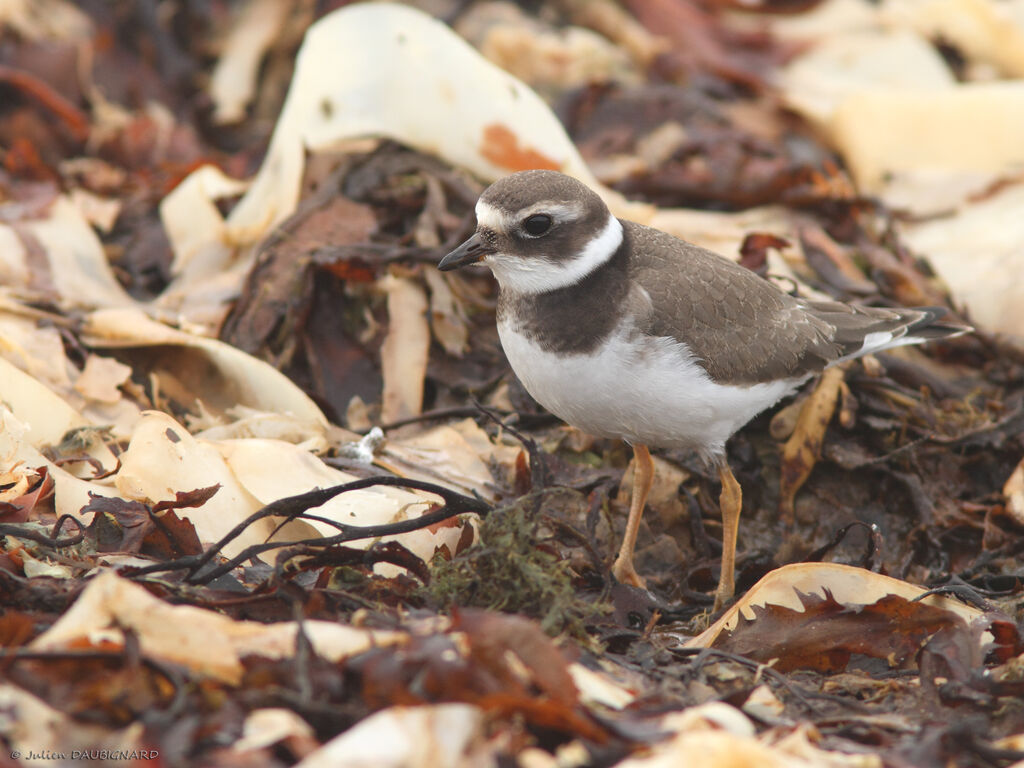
(156, 532)
(34, 726)
(48, 417)
(163, 459)
(985, 111)
(492, 636)
(701, 45)
(823, 634)
(29, 488)
(270, 470)
(754, 250)
(788, 587)
(457, 456)
(408, 737)
(72, 255)
(16, 629)
(447, 316)
(101, 212)
(101, 378)
(1013, 491)
(722, 735)
(403, 355)
(219, 375)
(233, 81)
(270, 726)
(200, 640)
(803, 449)
(503, 664)
(377, 41)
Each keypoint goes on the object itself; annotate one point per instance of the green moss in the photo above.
(511, 569)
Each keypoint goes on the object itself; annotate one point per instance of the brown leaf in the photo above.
(19, 508)
(170, 536)
(426, 669)
(702, 44)
(493, 635)
(896, 278)
(195, 498)
(69, 116)
(16, 628)
(89, 687)
(351, 270)
(118, 525)
(505, 664)
(131, 526)
(278, 307)
(825, 634)
(754, 249)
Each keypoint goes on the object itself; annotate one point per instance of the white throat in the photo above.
(539, 275)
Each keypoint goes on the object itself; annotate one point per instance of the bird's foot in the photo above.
(625, 573)
(725, 592)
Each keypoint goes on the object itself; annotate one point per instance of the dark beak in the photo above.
(469, 252)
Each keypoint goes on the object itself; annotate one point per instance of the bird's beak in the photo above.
(469, 252)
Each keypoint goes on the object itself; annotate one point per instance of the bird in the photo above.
(627, 332)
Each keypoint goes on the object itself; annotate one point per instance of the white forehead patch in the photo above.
(539, 275)
(489, 217)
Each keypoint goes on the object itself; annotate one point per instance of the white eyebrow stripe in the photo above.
(558, 211)
(489, 217)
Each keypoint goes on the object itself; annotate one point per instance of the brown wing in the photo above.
(742, 328)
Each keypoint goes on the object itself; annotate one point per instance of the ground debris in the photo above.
(270, 494)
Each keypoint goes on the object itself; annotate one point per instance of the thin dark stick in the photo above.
(18, 530)
(538, 467)
(438, 413)
(294, 507)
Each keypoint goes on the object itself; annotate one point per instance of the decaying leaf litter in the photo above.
(190, 351)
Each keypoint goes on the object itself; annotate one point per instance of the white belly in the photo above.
(643, 390)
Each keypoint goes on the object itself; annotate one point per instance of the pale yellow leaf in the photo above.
(219, 375)
(429, 736)
(233, 80)
(163, 459)
(204, 641)
(406, 347)
(1013, 491)
(101, 378)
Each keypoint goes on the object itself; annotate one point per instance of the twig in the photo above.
(294, 507)
(318, 557)
(538, 466)
(438, 413)
(19, 531)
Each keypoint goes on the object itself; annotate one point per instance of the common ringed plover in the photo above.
(627, 332)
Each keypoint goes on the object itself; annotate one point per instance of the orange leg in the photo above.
(643, 476)
(731, 504)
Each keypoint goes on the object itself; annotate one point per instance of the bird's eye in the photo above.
(537, 224)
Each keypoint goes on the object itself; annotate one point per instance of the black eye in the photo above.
(537, 224)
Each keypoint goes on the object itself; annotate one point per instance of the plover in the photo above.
(627, 332)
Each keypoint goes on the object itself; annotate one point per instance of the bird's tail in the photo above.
(865, 330)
